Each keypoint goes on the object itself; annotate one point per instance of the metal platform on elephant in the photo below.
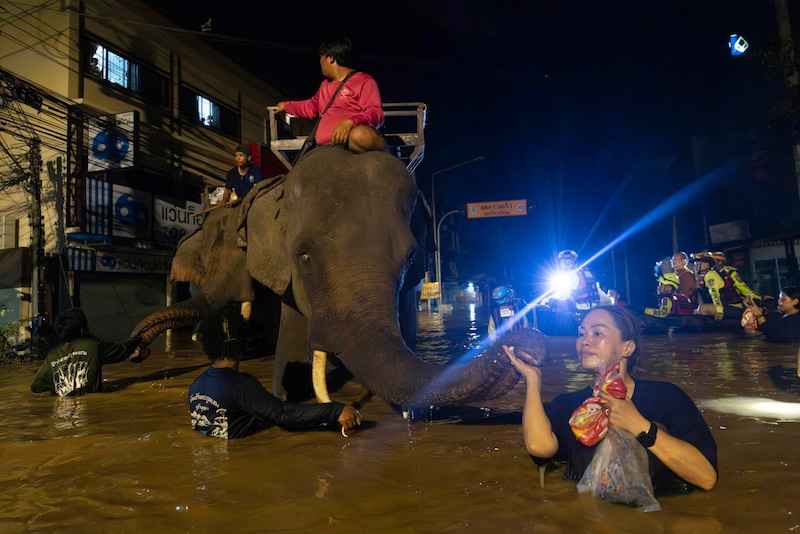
(403, 129)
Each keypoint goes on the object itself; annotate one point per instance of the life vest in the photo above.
(728, 293)
(681, 304)
(586, 292)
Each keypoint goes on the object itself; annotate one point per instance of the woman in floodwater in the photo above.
(681, 450)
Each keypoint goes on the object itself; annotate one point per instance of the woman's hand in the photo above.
(680, 457)
(530, 372)
(751, 305)
(622, 413)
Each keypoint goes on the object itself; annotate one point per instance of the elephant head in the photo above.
(336, 241)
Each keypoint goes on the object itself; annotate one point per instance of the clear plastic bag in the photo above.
(619, 473)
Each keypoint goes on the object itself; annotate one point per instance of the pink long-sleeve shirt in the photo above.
(359, 100)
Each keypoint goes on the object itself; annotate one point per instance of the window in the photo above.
(201, 109)
(123, 72)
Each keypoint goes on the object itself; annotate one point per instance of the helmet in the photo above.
(567, 256)
(719, 257)
(702, 256)
(669, 279)
(500, 294)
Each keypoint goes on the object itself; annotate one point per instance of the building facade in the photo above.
(114, 124)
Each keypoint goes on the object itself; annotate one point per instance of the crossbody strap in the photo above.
(336, 92)
(309, 142)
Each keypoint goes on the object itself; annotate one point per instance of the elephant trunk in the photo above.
(184, 313)
(373, 350)
(390, 370)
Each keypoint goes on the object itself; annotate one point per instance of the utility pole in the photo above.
(37, 241)
(21, 165)
(789, 67)
(790, 79)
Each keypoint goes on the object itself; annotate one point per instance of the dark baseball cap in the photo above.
(244, 149)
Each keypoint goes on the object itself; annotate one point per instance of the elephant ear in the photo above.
(187, 265)
(261, 233)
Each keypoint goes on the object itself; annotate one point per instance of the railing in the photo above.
(404, 131)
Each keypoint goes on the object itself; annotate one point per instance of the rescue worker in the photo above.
(504, 310)
(582, 282)
(671, 301)
(721, 289)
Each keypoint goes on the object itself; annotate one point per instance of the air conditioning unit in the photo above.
(8, 232)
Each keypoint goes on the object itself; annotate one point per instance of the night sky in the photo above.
(593, 111)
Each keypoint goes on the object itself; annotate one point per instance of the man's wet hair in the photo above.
(339, 48)
(71, 324)
(223, 334)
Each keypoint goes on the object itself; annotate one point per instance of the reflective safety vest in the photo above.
(672, 304)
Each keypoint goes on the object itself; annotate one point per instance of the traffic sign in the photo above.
(430, 290)
(500, 208)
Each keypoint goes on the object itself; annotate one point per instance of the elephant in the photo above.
(340, 239)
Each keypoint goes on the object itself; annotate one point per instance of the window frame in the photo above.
(138, 78)
(226, 120)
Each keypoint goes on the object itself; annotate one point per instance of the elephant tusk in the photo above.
(246, 309)
(318, 376)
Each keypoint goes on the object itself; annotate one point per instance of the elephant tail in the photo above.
(182, 314)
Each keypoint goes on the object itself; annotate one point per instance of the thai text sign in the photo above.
(430, 290)
(500, 208)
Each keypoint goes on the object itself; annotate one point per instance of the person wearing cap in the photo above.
(670, 299)
(687, 281)
(241, 179)
(74, 367)
(226, 403)
(356, 114)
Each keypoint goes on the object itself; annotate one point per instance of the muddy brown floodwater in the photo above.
(127, 461)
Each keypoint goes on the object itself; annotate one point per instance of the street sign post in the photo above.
(500, 208)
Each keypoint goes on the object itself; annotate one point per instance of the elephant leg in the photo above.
(291, 376)
(407, 315)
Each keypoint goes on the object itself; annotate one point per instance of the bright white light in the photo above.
(755, 407)
(563, 283)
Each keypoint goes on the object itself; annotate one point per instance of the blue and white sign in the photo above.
(173, 218)
(738, 44)
(131, 215)
(112, 141)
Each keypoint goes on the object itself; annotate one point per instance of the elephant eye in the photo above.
(305, 257)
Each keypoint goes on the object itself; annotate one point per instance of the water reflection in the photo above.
(127, 460)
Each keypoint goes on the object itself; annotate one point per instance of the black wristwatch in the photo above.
(648, 439)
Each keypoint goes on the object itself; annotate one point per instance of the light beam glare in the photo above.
(693, 190)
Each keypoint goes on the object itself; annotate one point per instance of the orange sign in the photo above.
(500, 208)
